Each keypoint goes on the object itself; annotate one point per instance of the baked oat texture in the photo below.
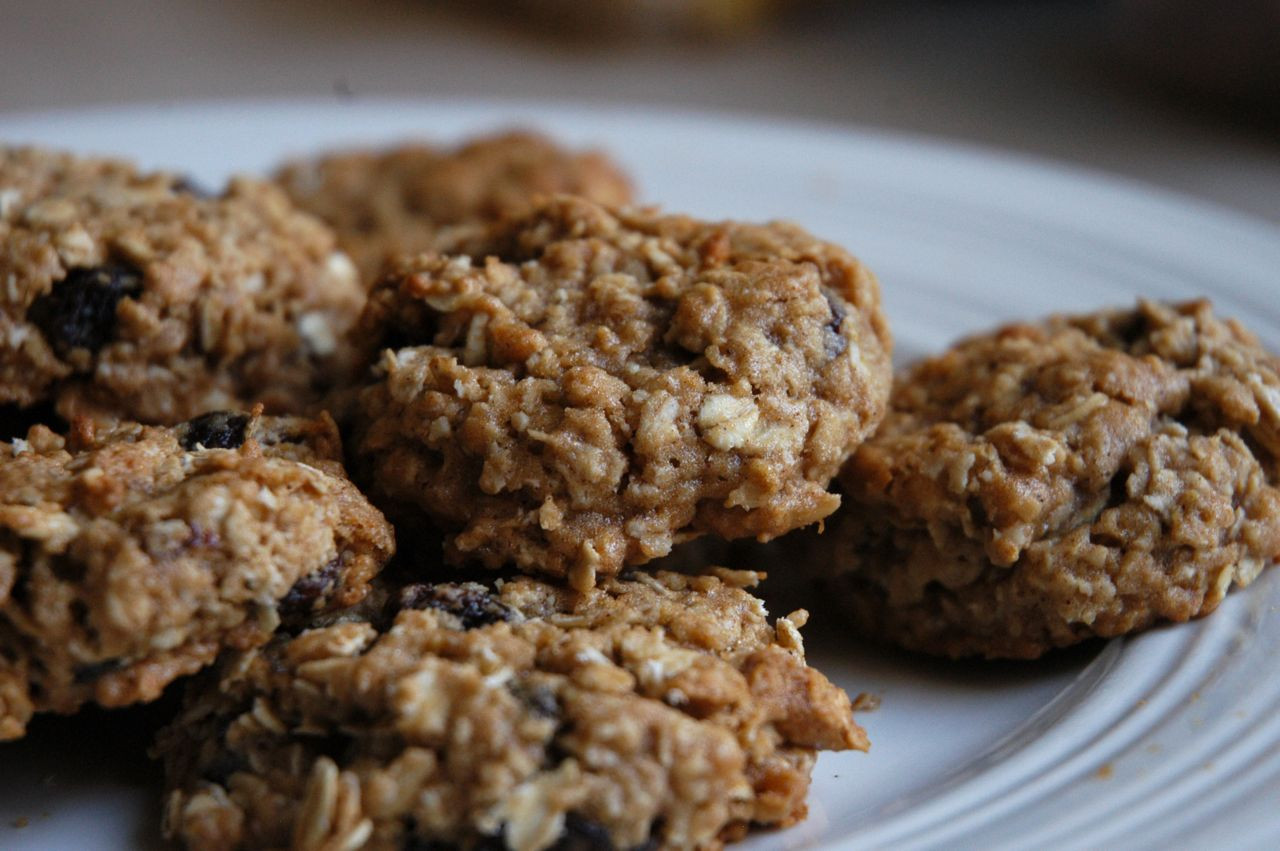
(661, 711)
(596, 386)
(417, 198)
(134, 295)
(1044, 484)
(130, 555)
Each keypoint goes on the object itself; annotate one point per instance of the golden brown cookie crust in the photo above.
(597, 386)
(415, 198)
(131, 295)
(130, 555)
(658, 711)
(1088, 476)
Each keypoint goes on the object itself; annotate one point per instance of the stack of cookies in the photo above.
(542, 388)
(378, 455)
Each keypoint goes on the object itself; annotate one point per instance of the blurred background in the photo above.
(1184, 94)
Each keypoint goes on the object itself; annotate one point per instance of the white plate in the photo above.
(1169, 738)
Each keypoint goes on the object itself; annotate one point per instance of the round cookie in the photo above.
(660, 711)
(597, 386)
(1044, 484)
(130, 555)
(416, 198)
(135, 296)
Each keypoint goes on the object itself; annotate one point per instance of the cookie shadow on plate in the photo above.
(95, 759)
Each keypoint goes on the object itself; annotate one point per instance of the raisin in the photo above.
(304, 593)
(1132, 330)
(469, 603)
(540, 698)
(416, 326)
(80, 311)
(88, 673)
(978, 512)
(337, 746)
(1118, 489)
(582, 834)
(224, 764)
(202, 538)
(187, 185)
(217, 430)
(671, 355)
(836, 343)
(67, 569)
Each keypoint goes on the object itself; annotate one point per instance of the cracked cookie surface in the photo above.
(1044, 484)
(130, 555)
(660, 711)
(595, 387)
(134, 295)
(416, 198)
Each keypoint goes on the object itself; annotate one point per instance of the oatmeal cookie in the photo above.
(130, 555)
(417, 198)
(660, 711)
(1088, 476)
(595, 386)
(133, 295)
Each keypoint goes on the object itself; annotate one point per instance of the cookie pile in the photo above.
(542, 388)
(539, 390)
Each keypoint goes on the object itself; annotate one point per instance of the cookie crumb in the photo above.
(866, 702)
